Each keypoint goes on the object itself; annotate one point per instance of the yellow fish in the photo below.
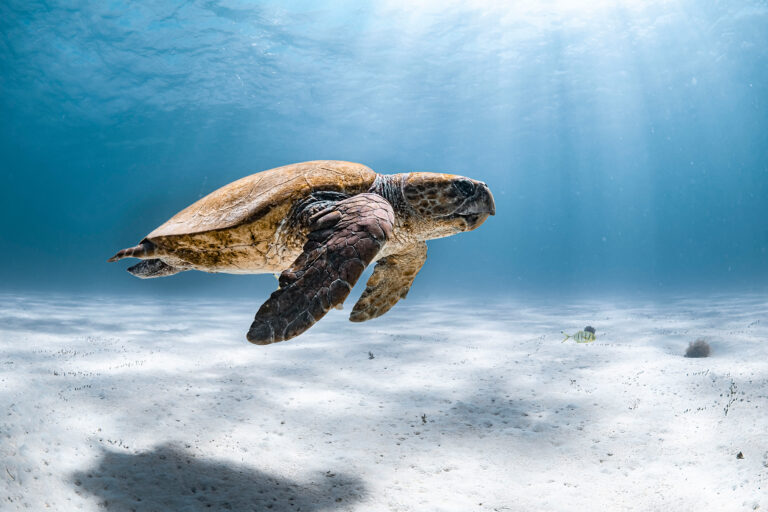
(585, 336)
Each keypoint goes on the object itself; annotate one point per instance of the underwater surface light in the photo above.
(522, 7)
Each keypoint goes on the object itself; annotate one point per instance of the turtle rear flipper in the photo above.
(153, 268)
(343, 240)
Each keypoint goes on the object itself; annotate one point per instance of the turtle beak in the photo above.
(481, 203)
(487, 198)
(477, 209)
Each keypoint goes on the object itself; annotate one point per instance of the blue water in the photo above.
(626, 142)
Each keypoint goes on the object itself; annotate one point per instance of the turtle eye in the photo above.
(466, 187)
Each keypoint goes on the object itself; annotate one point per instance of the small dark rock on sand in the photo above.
(698, 348)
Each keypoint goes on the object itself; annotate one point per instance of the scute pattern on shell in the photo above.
(249, 198)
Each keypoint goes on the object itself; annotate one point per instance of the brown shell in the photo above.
(248, 199)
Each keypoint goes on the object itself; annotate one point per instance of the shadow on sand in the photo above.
(168, 478)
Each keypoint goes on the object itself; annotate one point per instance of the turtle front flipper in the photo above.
(390, 282)
(344, 238)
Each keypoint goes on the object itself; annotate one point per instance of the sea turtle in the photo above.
(318, 224)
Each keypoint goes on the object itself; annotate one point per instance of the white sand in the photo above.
(165, 406)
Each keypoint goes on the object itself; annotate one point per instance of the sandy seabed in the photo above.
(433, 407)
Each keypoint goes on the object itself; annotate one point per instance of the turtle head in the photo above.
(447, 204)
